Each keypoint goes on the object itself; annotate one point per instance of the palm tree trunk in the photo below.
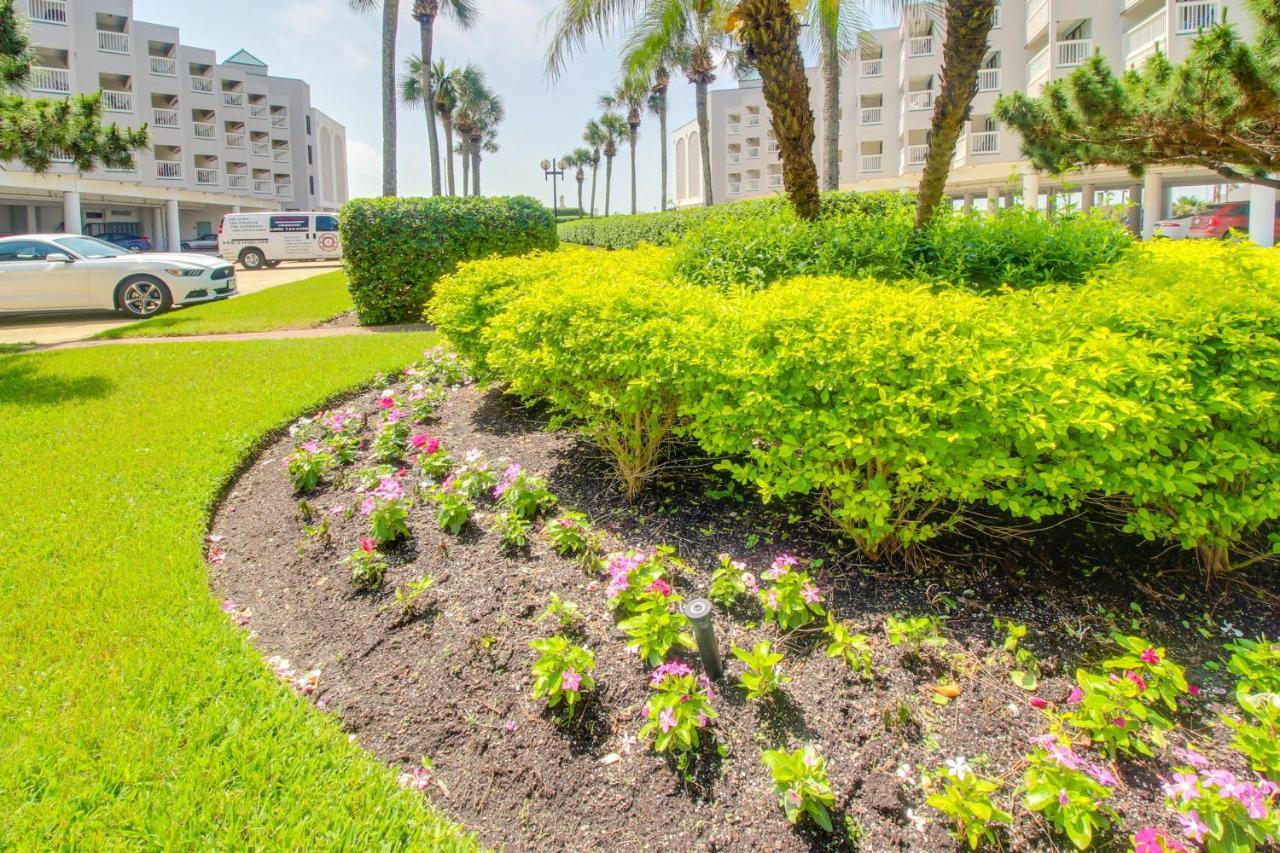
(608, 181)
(771, 32)
(466, 168)
(426, 29)
(390, 19)
(633, 173)
(830, 109)
(963, 50)
(581, 179)
(704, 140)
(475, 166)
(662, 141)
(447, 122)
(595, 168)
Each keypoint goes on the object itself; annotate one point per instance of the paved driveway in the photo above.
(59, 327)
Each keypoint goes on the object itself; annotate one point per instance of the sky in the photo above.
(337, 52)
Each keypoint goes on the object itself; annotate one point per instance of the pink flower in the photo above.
(570, 680)
(667, 719)
(702, 721)
(1063, 799)
(780, 566)
(1184, 787)
(1118, 722)
(1190, 756)
(368, 545)
(386, 402)
(1255, 804)
(390, 489)
(810, 594)
(1193, 690)
(417, 779)
(1037, 702)
(367, 505)
(659, 586)
(1223, 779)
(1136, 679)
(311, 446)
(394, 417)
(1152, 840)
(772, 599)
(749, 581)
(510, 727)
(1103, 776)
(425, 443)
(217, 554)
(228, 606)
(674, 668)
(1192, 826)
(1076, 695)
(1150, 657)
(1064, 756)
(508, 480)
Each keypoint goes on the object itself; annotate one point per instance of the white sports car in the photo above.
(58, 272)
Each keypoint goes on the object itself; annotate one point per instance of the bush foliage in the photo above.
(396, 248)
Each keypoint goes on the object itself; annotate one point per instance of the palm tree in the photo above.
(425, 12)
(461, 148)
(579, 159)
(632, 96)
(390, 11)
(658, 106)
(449, 89)
(615, 130)
(835, 25)
(594, 136)
(479, 112)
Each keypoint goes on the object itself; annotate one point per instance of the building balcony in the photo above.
(985, 142)
(775, 182)
(238, 182)
(203, 85)
(997, 18)
(280, 155)
(753, 153)
(1195, 16)
(204, 130)
(262, 187)
(872, 115)
(872, 163)
(1147, 37)
(47, 11)
(734, 158)
(1074, 52)
(54, 80)
(732, 129)
(920, 100)
(61, 155)
(112, 42)
(164, 118)
(206, 177)
(262, 149)
(117, 102)
(233, 99)
(989, 80)
(920, 46)
(258, 111)
(916, 154)
(284, 190)
(169, 170)
(164, 66)
(753, 120)
(873, 67)
(771, 147)
(235, 140)
(279, 121)
(753, 185)
(734, 188)
(1038, 73)
(1037, 18)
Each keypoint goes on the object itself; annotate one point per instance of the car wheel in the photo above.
(252, 259)
(186, 247)
(143, 296)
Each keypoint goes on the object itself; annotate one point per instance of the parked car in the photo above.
(50, 272)
(1174, 229)
(260, 240)
(1216, 223)
(132, 242)
(203, 243)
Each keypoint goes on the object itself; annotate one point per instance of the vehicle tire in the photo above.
(272, 264)
(186, 247)
(253, 259)
(143, 296)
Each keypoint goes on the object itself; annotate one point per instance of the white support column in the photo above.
(157, 226)
(173, 228)
(1152, 203)
(71, 221)
(968, 202)
(1262, 215)
(1087, 192)
(1135, 209)
(1031, 191)
(235, 208)
(993, 200)
(33, 221)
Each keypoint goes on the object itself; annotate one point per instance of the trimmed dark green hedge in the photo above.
(396, 248)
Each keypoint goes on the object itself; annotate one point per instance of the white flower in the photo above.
(904, 774)
(918, 821)
(958, 767)
(1230, 630)
(471, 456)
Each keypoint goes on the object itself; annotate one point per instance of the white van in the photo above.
(260, 240)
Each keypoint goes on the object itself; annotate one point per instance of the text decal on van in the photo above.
(289, 224)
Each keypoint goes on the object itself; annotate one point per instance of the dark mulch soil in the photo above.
(453, 684)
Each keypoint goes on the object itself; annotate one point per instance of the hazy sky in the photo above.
(337, 52)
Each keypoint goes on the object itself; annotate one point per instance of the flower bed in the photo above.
(476, 600)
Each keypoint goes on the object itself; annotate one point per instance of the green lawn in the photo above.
(297, 305)
(133, 714)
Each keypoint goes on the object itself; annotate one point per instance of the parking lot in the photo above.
(59, 327)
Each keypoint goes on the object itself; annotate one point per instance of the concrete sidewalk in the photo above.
(60, 327)
(279, 334)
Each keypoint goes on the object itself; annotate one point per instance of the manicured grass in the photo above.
(297, 305)
(133, 714)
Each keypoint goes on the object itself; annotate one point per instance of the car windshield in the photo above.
(90, 247)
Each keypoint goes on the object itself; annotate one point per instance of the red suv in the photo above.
(1214, 223)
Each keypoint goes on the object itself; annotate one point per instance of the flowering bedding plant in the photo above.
(1069, 790)
(731, 582)
(387, 508)
(801, 783)
(855, 649)
(793, 600)
(368, 567)
(308, 465)
(571, 535)
(1223, 811)
(656, 625)
(562, 672)
(965, 797)
(678, 711)
(522, 493)
(762, 677)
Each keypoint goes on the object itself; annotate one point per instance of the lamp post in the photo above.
(553, 170)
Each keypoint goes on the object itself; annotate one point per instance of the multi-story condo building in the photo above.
(225, 136)
(887, 92)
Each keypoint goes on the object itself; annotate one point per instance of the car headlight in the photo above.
(184, 272)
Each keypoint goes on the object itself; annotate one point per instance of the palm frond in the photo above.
(575, 21)
(464, 13)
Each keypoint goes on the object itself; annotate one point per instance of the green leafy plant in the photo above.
(572, 535)
(1071, 799)
(308, 465)
(562, 672)
(435, 466)
(343, 446)
(965, 799)
(634, 578)
(1124, 709)
(801, 783)
(513, 530)
(793, 600)
(390, 440)
(762, 677)
(730, 582)
(1222, 811)
(368, 479)
(1027, 675)
(387, 509)
(523, 494)
(677, 712)
(656, 626)
(1258, 735)
(854, 649)
(566, 612)
(368, 567)
(1256, 663)
(474, 481)
(408, 598)
(453, 511)
(915, 632)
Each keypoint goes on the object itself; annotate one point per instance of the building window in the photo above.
(311, 181)
(308, 125)
(308, 155)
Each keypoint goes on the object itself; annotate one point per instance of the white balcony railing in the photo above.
(208, 177)
(279, 121)
(164, 118)
(733, 129)
(1074, 52)
(916, 154)
(284, 189)
(872, 163)
(164, 66)
(1146, 38)
(60, 155)
(997, 19)
(753, 153)
(985, 142)
(117, 102)
(113, 42)
(257, 111)
(56, 80)
(238, 182)
(771, 146)
(47, 11)
(873, 115)
(169, 170)
(1037, 18)
(753, 120)
(1195, 16)
(734, 188)
(233, 99)
(873, 67)
(734, 158)
(753, 185)
(775, 182)
(202, 84)
(203, 130)
(958, 158)
(1038, 73)
(262, 186)
(989, 80)
(235, 140)
(920, 46)
(920, 100)
(262, 149)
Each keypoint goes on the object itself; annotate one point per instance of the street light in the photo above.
(554, 170)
